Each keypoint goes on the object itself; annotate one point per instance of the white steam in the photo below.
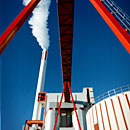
(38, 22)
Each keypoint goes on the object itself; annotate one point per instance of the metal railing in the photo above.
(113, 92)
(118, 13)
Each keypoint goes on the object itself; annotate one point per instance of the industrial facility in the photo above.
(70, 110)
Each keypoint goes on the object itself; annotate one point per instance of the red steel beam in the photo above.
(59, 106)
(74, 105)
(66, 16)
(119, 31)
(16, 24)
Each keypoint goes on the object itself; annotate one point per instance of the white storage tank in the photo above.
(112, 113)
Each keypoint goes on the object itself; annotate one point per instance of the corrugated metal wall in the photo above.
(112, 113)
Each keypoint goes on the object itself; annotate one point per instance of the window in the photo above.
(66, 118)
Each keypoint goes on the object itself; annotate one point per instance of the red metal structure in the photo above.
(67, 84)
(116, 27)
(16, 24)
(66, 19)
(29, 123)
(66, 16)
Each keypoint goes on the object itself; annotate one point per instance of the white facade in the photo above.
(50, 118)
(81, 102)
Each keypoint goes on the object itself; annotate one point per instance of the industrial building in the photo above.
(76, 111)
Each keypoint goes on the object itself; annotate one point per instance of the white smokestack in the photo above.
(38, 22)
(40, 86)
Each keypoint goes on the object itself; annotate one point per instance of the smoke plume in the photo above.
(38, 22)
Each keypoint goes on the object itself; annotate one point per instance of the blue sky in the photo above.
(99, 59)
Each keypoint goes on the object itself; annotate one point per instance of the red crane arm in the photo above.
(66, 14)
(16, 24)
(119, 31)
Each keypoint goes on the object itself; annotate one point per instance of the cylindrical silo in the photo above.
(112, 113)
